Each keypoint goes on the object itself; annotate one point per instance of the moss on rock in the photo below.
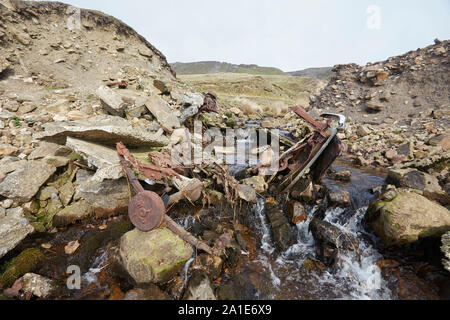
(25, 262)
(153, 257)
(408, 218)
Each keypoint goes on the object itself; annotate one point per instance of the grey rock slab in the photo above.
(23, 184)
(103, 129)
(111, 100)
(162, 112)
(14, 227)
(98, 156)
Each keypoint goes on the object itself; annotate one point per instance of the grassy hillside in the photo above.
(213, 67)
(266, 94)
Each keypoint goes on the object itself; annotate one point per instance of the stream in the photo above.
(353, 277)
(265, 273)
(284, 275)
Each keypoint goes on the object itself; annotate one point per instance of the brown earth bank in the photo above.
(68, 96)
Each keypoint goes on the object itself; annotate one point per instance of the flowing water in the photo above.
(355, 275)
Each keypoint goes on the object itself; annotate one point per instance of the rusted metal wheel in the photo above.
(146, 211)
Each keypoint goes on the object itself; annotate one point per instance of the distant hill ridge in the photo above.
(213, 67)
(318, 73)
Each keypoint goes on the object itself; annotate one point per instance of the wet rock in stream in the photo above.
(330, 239)
(211, 265)
(283, 233)
(199, 287)
(238, 288)
(405, 285)
(149, 292)
(92, 242)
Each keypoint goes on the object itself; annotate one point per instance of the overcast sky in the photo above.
(288, 34)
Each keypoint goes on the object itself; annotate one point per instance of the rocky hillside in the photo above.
(36, 41)
(316, 73)
(212, 67)
(399, 109)
(66, 98)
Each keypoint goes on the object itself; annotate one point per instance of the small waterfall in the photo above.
(358, 273)
(266, 239)
(355, 276)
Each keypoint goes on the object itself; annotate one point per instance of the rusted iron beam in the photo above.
(317, 125)
(147, 210)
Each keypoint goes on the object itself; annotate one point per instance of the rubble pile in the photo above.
(90, 116)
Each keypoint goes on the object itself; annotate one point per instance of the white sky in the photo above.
(288, 34)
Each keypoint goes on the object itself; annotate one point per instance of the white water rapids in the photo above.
(352, 277)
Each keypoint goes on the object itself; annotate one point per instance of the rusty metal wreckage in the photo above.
(147, 210)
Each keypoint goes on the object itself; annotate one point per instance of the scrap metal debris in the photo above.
(316, 152)
(209, 105)
(120, 84)
(147, 210)
(152, 172)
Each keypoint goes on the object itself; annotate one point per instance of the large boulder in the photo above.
(23, 184)
(155, 256)
(14, 227)
(408, 218)
(104, 129)
(282, 232)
